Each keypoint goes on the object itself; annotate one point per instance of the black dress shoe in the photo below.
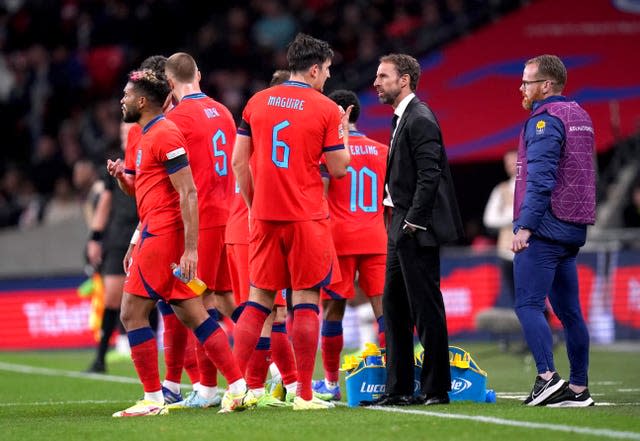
(96, 368)
(389, 400)
(432, 400)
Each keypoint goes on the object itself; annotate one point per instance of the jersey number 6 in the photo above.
(279, 149)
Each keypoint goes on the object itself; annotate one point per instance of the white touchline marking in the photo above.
(58, 403)
(606, 433)
(25, 369)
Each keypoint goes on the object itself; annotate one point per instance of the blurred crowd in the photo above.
(63, 64)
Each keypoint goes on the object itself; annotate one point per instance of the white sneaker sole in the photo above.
(569, 403)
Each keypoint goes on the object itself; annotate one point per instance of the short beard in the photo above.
(131, 116)
(388, 98)
(527, 104)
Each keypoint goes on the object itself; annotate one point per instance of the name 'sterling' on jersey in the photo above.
(363, 150)
(286, 102)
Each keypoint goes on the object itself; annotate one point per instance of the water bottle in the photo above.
(490, 396)
(196, 285)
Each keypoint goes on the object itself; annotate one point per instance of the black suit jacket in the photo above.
(419, 179)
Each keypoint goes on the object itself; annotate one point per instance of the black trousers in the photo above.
(412, 297)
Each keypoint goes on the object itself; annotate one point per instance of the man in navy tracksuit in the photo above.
(554, 202)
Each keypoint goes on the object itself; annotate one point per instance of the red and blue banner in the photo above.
(49, 314)
(473, 84)
(44, 314)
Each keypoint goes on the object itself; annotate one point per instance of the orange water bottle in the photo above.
(196, 285)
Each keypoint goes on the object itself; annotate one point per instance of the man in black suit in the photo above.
(424, 215)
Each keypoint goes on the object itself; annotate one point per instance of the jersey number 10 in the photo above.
(359, 183)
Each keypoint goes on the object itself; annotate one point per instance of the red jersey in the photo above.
(160, 153)
(210, 131)
(133, 138)
(355, 201)
(290, 126)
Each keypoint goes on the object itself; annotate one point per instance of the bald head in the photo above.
(181, 67)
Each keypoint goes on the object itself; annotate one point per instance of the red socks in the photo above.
(282, 353)
(304, 335)
(191, 359)
(144, 353)
(175, 341)
(216, 347)
(247, 332)
(259, 364)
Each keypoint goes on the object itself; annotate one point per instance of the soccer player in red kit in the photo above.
(357, 227)
(166, 199)
(285, 130)
(175, 333)
(210, 132)
(273, 343)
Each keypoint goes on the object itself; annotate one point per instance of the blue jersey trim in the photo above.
(333, 148)
(324, 282)
(194, 96)
(296, 84)
(356, 133)
(151, 123)
(334, 295)
(150, 291)
(175, 168)
(128, 171)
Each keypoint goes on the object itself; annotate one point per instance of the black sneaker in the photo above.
(543, 390)
(569, 398)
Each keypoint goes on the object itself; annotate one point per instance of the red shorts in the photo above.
(299, 255)
(371, 270)
(150, 272)
(238, 259)
(238, 262)
(212, 259)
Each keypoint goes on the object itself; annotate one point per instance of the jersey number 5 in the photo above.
(279, 149)
(219, 140)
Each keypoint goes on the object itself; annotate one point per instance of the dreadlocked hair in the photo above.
(152, 85)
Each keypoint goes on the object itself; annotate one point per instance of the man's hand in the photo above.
(408, 229)
(189, 263)
(126, 262)
(520, 240)
(94, 253)
(115, 168)
(344, 117)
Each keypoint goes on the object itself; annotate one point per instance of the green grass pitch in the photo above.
(45, 397)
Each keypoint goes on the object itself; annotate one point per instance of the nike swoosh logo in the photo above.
(578, 396)
(535, 395)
